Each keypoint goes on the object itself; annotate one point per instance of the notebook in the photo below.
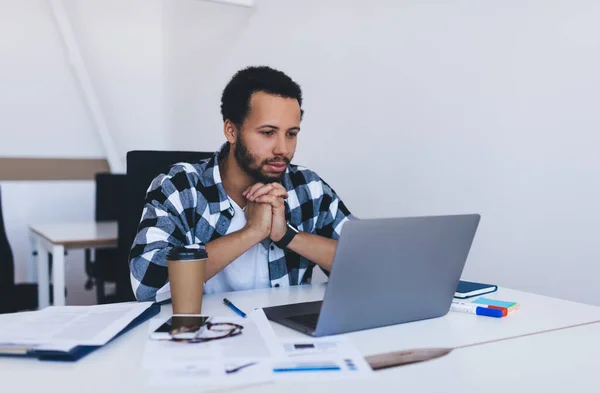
(468, 289)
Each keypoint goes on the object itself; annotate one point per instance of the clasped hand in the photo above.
(265, 211)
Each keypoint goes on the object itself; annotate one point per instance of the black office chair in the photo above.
(110, 201)
(142, 168)
(13, 297)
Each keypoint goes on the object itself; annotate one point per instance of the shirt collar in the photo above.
(214, 191)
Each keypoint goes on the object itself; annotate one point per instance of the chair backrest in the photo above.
(110, 196)
(110, 206)
(7, 267)
(142, 168)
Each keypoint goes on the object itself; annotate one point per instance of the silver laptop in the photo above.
(385, 272)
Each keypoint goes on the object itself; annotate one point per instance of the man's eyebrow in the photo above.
(268, 126)
(294, 129)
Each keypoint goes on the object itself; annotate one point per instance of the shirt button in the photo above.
(276, 285)
(272, 247)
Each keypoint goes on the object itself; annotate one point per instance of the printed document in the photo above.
(65, 327)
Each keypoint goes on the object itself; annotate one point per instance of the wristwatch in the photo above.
(291, 232)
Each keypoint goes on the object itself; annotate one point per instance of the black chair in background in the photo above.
(142, 168)
(13, 297)
(110, 202)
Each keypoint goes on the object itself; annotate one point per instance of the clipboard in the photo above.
(77, 352)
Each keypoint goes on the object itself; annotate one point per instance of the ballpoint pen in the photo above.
(234, 308)
(235, 370)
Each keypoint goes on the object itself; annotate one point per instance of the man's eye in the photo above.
(267, 132)
(292, 134)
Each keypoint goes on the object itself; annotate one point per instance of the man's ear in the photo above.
(230, 131)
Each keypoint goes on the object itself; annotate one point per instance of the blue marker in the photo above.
(475, 309)
(234, 308)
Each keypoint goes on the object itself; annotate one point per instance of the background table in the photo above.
(54, 239)
(564, 360)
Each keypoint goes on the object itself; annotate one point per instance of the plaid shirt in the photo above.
(190, 206)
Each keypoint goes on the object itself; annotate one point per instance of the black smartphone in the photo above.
(181, 326)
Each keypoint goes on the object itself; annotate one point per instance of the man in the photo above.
(264, 222)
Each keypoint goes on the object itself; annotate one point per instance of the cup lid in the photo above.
(187, 253)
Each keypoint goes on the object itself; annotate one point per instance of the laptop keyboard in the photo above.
(309, 320)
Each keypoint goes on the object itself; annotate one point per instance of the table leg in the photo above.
(42, 274)
(58, 274)
(32, 268)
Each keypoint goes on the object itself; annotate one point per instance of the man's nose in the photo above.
(281, 146)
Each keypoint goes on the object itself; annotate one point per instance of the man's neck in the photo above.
(234, 179)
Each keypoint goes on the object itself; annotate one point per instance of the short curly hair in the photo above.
(235, 101)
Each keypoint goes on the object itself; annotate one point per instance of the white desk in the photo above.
(560, 361)
(54, 239)
(565, 360)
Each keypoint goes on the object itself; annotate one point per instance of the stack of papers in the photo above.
(255, 356)
(64, 328)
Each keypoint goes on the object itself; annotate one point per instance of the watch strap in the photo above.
(288, 237)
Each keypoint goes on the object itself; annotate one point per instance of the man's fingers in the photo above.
(273, 191)
(251, 189)
(278, 185)
(265, 189)
(282, 193)
(251, 192)
(274, 201)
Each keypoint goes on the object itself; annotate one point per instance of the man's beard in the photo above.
(246, 160)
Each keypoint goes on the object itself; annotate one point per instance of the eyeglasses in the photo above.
(210, 331)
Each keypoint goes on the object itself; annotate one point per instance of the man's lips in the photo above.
(277, 166)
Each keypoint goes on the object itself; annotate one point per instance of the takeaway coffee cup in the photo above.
(187, 267)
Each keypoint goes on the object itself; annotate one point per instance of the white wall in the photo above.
(449, 107)
(122, 45)
(427, 107)
(197, 34)
(43, 114)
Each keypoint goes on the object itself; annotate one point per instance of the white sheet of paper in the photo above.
(268, 359)
(67, 326)
(320, 368)
(212, 374)
(257, 341)
(318, 346)
(320, 359)
(206, 364)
